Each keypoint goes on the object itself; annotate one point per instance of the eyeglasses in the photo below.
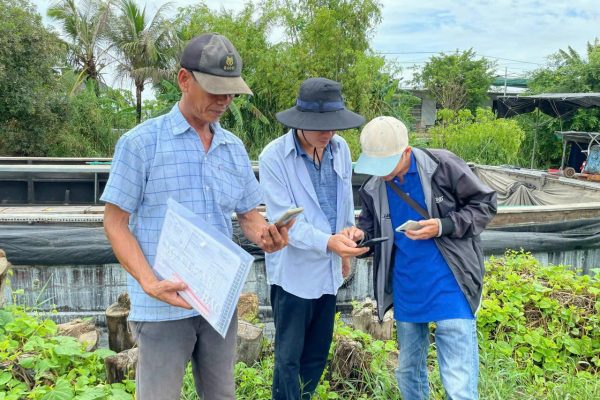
(233, 96)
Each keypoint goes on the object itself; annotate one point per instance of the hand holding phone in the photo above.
(287, 216)
(409, 225)
(371, 242)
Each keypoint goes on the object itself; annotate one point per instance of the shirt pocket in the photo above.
(228, 186)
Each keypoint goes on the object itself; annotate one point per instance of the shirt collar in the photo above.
(180, 125)
(413, 165)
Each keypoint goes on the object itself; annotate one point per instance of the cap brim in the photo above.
(378, 166)
(316, 121)
(222, 84)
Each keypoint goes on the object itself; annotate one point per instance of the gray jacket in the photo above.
(453, 194)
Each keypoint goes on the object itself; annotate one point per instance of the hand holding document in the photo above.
(213, 267)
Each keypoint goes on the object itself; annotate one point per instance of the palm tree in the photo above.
(86, 27)
(143, 46)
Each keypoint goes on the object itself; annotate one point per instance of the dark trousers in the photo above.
(303, 333)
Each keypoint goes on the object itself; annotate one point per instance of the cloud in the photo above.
(523, 30)
(526, 30)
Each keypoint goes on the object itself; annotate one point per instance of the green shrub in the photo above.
(479, 138)
(37, 364)
(545, 318)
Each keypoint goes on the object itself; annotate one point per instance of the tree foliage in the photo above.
(566, 72)
(569, 72)
(29, 54)
(329, 38)
(457, 80)
(86, 27)
(319, 38)
(142, 44)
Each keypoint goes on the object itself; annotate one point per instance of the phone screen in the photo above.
(373, 241)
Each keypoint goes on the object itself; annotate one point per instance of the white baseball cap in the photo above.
(383, 140)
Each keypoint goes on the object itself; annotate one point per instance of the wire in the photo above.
(448, 52)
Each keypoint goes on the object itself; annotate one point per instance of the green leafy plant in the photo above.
(37, 364)
(545, 318)
(479, 138)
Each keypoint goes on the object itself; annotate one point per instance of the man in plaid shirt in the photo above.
(185, 155)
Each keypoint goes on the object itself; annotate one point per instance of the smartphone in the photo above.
(371, 242)
(409, 225)
(287, 216)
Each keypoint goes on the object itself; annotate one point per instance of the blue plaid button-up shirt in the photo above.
(164, 157)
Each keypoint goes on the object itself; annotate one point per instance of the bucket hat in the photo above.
(320, 107)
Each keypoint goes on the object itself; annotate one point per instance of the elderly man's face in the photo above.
(204, 107)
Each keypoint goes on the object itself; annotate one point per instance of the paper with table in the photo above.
(213, 267)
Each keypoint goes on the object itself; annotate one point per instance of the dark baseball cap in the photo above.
(215, 63)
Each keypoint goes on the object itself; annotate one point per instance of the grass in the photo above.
(500, 378)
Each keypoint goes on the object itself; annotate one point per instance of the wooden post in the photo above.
(119, 338)
(121, 366)
(247, 308)
(364, 318)
(4, 265)
(249, 342)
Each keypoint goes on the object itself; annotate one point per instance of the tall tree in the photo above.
(457, 80)
(570, 72)
(29, 57)
(86, 27)
(142, 44)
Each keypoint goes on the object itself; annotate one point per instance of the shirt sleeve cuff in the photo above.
(446, 226)
(321, 241)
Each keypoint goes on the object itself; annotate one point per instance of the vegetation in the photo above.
(457, 81)
(539, 330)
(566, 72)
(479, 138)
(50, 83)
(86, 29)
(29, 106)
(316, 41)
(36, 364)
(143, 45)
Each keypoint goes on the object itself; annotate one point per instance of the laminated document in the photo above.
(214, 268)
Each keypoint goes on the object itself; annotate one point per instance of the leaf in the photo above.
(5, 377)
(61, 391)
(119, 394)
(68, 346)
(91, 394)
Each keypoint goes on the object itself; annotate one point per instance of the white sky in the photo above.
(518, 35)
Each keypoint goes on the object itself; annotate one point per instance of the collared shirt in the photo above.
(425, 289)
(324, 181)
(305, 268)
(164, 157)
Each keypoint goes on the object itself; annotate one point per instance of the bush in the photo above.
(479, 138)
(37, 364)
(545, 318)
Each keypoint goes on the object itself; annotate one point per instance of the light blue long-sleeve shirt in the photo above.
(305, 268)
